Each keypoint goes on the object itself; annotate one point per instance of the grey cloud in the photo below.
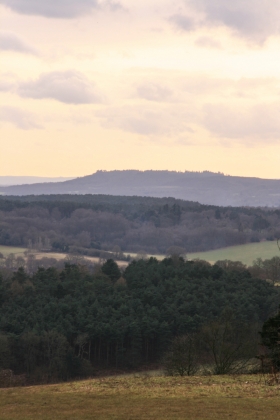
(52, 8)
(70, 87)
(154, 92)
(253, 19)
(5, 86)
(113, 5)
(10, 42)
(65, 9)
(256, 124)
(182, 22)
(18, 117)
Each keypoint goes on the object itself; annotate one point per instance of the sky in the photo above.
(181, 85)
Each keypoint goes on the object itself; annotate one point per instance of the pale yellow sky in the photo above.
(179, 85)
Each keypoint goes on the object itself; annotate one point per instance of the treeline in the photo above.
(90, 223)
(58, 324)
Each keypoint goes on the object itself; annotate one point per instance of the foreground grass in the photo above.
(143, 397)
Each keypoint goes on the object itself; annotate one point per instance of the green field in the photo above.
(245, 253)
(6, 250)
(144, 397)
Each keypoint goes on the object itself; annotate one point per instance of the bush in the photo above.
(183, 356)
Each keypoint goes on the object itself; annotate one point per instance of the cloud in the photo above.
(21, 119)
(70, 87)
(256, 123)
(252, 19)
(10, 42)
(147, 121)
(66, 9)
(182, 22)
(154, 92)
(113, 5)
(52, 8)
(206, 42)
(5, 86)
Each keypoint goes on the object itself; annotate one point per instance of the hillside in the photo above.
(204, 187)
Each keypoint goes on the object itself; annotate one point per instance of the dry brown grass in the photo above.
(144, 397)
(19, 252)
(61, 256)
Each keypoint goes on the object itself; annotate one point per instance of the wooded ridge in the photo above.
(205, 187)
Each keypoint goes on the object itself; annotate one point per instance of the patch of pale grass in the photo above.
(6, 250)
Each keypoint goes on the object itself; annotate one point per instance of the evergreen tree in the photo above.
(270, 339)
(111, 269)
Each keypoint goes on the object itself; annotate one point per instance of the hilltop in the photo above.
(204, 187)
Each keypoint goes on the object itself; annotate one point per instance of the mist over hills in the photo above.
(205, 187)
(21, 180)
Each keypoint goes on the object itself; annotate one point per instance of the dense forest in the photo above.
(58, 324)
(88, 223)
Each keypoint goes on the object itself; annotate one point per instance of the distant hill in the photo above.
(21, 180)
(204, 187)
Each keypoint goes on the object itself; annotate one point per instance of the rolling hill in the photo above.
(203, 187)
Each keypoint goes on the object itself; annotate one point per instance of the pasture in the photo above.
(145, 397)
(6, 250)
(245, 253)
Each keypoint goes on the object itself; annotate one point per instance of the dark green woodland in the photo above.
(59, 324)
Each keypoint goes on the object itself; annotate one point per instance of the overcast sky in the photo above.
(161, 84)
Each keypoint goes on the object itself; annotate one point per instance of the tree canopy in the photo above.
(90, 320)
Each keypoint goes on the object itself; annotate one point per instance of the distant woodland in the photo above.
(88, 224)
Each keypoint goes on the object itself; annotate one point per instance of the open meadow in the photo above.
(145, 397)
(246, 253)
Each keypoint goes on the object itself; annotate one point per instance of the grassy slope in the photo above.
(245, 253)
(143, 397)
